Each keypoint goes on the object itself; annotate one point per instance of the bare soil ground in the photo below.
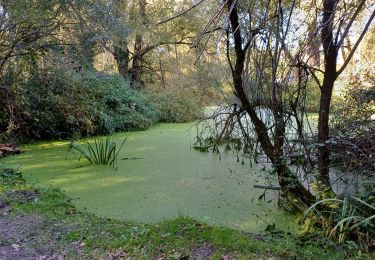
(29, 236)
(32, 237)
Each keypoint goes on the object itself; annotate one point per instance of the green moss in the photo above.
(168, 180)
(172, 238)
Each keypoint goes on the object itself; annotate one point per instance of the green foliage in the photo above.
(178, 106)
(50, 86)
(353, 126)
(66, 103)
(9, 175)
(356, 106)
(350, 220)
(102, 151)
(312, 98)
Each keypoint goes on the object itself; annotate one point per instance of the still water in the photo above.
(163, 178)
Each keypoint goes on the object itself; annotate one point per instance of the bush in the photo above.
(349, 219)
(68, 103)
(61, 104)
(9, 175)
(178, 106)
(357, 104)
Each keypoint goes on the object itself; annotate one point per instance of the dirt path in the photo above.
(30, 236)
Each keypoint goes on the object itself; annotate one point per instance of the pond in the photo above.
(167, 179)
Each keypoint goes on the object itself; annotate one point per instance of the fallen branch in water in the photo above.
(266, 187)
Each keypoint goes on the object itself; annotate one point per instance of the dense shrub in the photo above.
(356, 105)
(178, 106)
(10, 175)
(65, 103)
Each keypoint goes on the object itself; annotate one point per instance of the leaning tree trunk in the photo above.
(291, 187)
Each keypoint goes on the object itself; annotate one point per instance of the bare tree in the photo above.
(335, 29)
(270, 74)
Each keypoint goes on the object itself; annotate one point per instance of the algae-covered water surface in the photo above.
(162, 178)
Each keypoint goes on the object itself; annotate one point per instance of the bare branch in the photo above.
(180, 14)
(352, 19)
(356, 44)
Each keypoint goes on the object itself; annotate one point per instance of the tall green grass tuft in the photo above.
(101, 151)
(348, 220)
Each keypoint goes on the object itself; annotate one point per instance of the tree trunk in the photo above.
(88, 52)
(330, 75)
(136, 69)
(296, 195)
(121, 55)
(137, 59)
(323, 130)
(290, 185)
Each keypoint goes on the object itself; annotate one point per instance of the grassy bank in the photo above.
(43, 222)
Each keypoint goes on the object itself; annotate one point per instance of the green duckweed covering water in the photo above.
(168, 179)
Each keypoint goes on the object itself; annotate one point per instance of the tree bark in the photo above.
(137, 57)
(87, 52)
(330, 75)
(290, 185)
(121, 55)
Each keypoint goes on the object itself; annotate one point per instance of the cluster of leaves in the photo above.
(349, 220)
(357, 104)
(60, 104)
(9, 176)
(102, 151)
(178, 107)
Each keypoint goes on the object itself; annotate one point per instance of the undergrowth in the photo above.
(63, 104)
(349, 220)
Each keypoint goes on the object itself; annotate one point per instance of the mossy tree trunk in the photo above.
(121, 55)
